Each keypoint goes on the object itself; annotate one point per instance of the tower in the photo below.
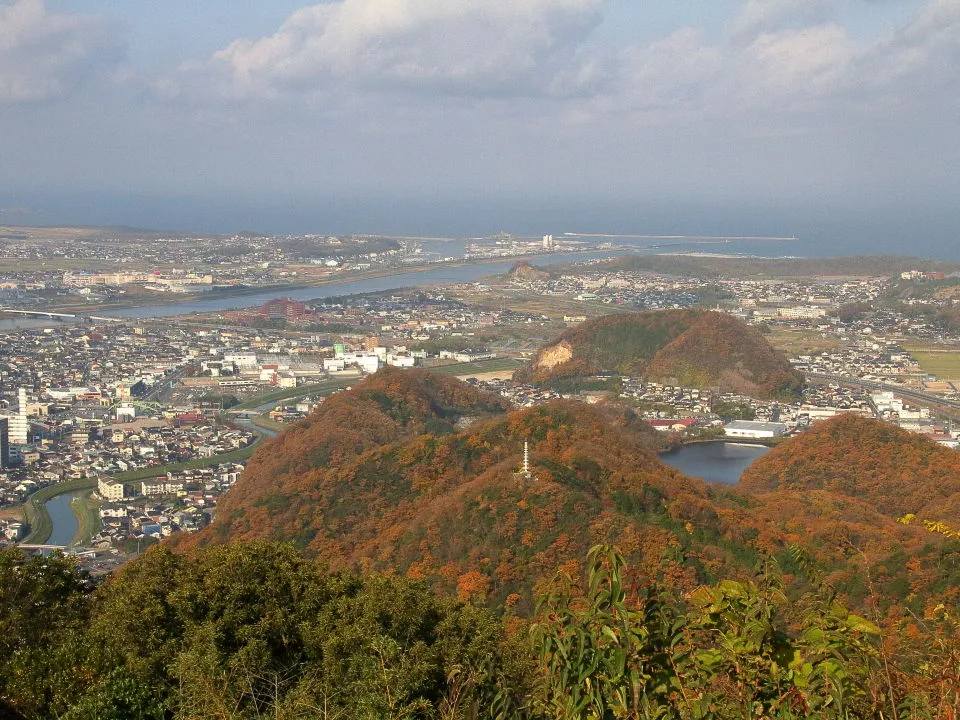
(524, 476)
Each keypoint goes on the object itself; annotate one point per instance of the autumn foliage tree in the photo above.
(692, 348)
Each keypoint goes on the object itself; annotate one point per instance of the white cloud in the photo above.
(794, 65)
(786, 56)
(925, 53)
(43, 54)
(468, 47)
(759, 16)
(668, 74)
(776, 57)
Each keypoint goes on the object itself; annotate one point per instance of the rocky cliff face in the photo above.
(554, 355)
(526, 271)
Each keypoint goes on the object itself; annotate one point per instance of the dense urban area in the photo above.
(147, 422)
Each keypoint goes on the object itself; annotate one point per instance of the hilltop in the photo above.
(892, 470)
(695, 348)
(364, 482)
(419, 475)
(525, 271)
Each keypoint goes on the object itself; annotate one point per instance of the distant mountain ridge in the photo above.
(692, 348)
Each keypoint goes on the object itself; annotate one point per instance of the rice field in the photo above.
(945, 364)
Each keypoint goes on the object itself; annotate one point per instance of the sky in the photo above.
(471, 116)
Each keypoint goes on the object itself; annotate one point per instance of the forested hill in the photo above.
(720, 603)
(895, 471)
(693, 348)
(383, 478)
(451, 507)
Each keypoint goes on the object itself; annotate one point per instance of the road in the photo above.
(873, 385)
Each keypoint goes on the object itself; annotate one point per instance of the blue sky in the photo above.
(223, 114)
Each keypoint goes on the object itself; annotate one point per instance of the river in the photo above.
(266, 431)
(409, 278)
(65, 524)
(714, 462)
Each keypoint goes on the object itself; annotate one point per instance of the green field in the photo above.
(87, 510)
(266, 423)
(944, 364)
(478, 367)
(797, 341)
(324, 387)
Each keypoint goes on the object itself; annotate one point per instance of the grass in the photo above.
(267, 424)
(478, 367)
(800, 341)
(87, 510)
(286, 394)
(945, 364)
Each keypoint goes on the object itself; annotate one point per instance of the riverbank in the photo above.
(35, 513)
(764, 442)
(86, 510)
(285, 288)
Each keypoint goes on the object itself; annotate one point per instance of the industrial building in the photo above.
(754, 429)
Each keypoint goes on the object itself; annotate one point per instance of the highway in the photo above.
(874, 385)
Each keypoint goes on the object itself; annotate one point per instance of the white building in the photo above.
(802, 312)
(125, 413)
(243, 361)
(754, 429)
(402, 361)
(18, 426)
(111, 490)
(369, 362)
(162, 485)
(15, 531)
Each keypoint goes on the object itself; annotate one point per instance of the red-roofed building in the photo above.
(672, 424)
(284, 309)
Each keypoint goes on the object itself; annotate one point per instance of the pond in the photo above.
(722, 462)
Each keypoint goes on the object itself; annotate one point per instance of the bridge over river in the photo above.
(55, 315)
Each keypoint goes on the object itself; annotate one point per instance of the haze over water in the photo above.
(822, 229)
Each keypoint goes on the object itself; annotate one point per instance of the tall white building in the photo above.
(18, 425)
